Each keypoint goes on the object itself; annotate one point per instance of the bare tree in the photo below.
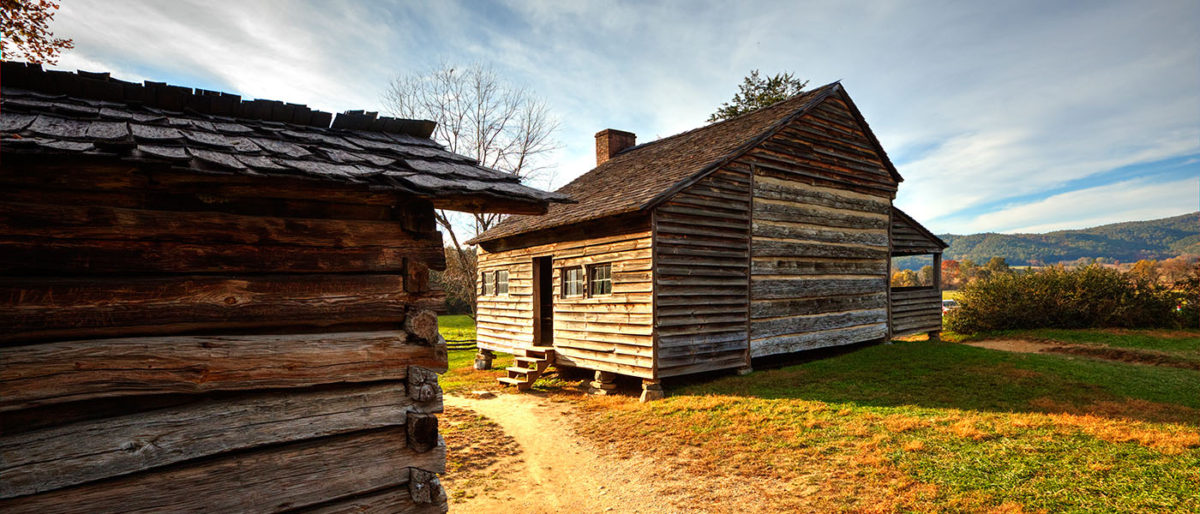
(479, 115)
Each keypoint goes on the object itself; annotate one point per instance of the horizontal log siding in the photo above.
(174, 341)
(907, 240)
(820, 235)
(916, 311)
(607, 333)
(701, 257)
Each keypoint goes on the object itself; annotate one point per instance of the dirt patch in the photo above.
(477, 452)
(1011, 345)
(1095, 352)
(547, 467)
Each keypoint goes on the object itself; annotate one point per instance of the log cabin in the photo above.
(213, 304)
(765, 234)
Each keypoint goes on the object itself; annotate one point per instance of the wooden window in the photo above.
(502, 282)
(572, 281)
(489, 287)
(599, 280)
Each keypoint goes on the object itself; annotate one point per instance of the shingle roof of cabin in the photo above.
(90, 114)
(640, 177)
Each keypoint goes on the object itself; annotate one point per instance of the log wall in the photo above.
(175, 342)
(822, 196)
(908, 239)
(701, 274)
(916, 310)
(606, 333)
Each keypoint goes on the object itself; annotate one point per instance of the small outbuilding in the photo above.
(765, 234)
(211, 304)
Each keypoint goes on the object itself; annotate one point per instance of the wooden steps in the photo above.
(531, 363)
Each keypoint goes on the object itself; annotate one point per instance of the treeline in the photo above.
(1119, 242)
(956, 274)
(1149, 295)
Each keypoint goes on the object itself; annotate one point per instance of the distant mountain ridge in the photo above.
(1125, 242)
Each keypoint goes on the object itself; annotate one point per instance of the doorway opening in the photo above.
(543, 301)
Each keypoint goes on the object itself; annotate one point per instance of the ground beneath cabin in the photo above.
(525, 456)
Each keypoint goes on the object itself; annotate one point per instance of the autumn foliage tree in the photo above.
(951, 277)
(757, 92)
(26, 31)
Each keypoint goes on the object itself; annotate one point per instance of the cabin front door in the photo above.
(543, 301)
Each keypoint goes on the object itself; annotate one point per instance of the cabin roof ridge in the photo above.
(643, 176)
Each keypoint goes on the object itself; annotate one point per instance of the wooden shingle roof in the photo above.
(85, 114)
(643, 176)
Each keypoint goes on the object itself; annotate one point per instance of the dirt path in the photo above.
(1150, 358)
(1013, 345)
(556, 470)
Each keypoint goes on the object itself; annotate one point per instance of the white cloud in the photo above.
(1112, 203)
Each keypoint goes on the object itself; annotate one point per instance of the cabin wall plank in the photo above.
(701, 250)
(822, 198)
(296, 475)
(49, 373)
(608, 333)
(307, 361)
(89, 306)
(76, 453)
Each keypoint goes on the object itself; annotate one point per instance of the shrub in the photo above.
(1084, 297)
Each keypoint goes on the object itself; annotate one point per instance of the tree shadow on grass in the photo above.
(949, 375)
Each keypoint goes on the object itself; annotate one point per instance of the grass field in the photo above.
(930, 426)
(462, 375)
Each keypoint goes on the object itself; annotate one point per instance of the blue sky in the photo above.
(1002, 116)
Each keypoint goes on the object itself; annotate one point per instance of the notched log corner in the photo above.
(422, 384)
(422, 324)
(424, 486)
(422, 432)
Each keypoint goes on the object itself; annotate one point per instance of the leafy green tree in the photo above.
(26, 31)
(997, 265)
(757, 92)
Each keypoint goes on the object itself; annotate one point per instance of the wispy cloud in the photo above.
(1112, 203)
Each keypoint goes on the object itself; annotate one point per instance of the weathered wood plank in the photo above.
(394, 500)
(817, 266)
(118, 257)
(812, 340)
(764, 248)
(771, 188)
(804, 306)
(766, 289)
(67, 455)
(760, 329)
(801, 232)
(801, 213)
(42, 308)
(58, 372)
(297, 475)
(111, 223)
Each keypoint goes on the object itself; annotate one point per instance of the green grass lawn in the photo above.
(462, 376)
(937, 426)
(922, 426)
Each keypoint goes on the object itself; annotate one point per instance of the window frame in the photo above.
(496, 286)
(563, 282)
(486, 278)
(589, 275)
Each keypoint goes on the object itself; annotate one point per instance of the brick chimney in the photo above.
(611, 141)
